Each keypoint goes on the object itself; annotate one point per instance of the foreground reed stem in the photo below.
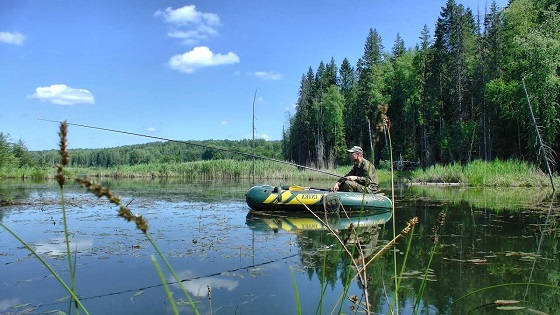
(165, 287)
(141, 224)
(46, 265)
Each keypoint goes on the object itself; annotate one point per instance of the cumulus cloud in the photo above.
(189, 25)
(62, 94)
(200, 57)
(266, 75)
(11, 38)
(263, 136)
(151, 129)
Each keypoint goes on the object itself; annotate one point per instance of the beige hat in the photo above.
(356, 149)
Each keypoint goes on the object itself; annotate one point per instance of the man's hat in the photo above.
(356, 149)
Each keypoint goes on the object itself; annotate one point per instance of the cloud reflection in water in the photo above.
(57, 247)
(199, 287)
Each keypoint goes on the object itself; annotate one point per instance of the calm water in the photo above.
(489, 237)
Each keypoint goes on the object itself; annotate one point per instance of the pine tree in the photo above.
(398, 47)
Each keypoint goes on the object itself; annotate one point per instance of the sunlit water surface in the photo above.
(250, 263)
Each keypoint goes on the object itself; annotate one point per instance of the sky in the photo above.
(184, 70)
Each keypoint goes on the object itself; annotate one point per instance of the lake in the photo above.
(256, 263)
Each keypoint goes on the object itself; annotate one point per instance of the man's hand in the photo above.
(335, 187)
(352, 178)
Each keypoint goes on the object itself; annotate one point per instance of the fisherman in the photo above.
(361, 178)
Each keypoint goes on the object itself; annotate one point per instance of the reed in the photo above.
(497, 173)
(141, 224)
(436, 230)
(296, 292)
(203, 170)
(165, 287)
(48, 267)
(61, 179)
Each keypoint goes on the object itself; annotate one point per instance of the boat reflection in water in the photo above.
(292, 222)
(316, 243)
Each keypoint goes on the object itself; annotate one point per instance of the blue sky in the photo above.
(178, 69)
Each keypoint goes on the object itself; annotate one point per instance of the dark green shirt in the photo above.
(366, 174)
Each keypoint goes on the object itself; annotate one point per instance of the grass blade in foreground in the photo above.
(51, 270)
(165, 287)
(294, 284)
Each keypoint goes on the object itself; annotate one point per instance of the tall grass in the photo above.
(123, 212)
(497, 173)
(204, 170)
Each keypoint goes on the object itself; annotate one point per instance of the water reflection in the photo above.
(320, 251)
(297, 221)
(57, 247)
(6, 304)
(490, 237)
(199, 287)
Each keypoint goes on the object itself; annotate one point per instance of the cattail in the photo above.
(124, 211)
(382, 121)
(64, 156)
(411, 223)
(441, 221)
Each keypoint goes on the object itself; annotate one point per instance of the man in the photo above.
(361, 178)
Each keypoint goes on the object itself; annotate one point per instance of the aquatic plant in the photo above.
(141, 224)
(61, 179)
(478, 173)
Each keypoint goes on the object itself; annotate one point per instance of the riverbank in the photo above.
(496, 173)
(510, 173)
(199, 170)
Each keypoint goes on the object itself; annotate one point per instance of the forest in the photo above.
(16, 155)
(456, 96)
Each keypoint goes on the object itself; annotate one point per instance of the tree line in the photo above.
(16, 155)
(13, 154)
(454, 97)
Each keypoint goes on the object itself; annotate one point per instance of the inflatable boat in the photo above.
(297, 198)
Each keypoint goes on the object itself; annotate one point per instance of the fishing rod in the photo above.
(197, 145)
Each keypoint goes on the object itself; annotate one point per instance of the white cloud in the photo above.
(62, 94)
(224, 122)
(187, 14)
(190, 26)
(263, 136)
(200, 57)
(151, 129)
(11, 38)
(266, 75)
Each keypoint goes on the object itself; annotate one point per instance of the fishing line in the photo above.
(197, 145)
(170, 282)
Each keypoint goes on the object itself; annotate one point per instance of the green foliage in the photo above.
(457, 98)
(162, 152)
(497, 173)
(13, 156)
(333, 123)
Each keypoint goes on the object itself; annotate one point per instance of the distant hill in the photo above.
(161, 152)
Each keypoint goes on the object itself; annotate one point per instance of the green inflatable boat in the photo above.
(297, 198)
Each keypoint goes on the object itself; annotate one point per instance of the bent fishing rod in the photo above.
(196, 145)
